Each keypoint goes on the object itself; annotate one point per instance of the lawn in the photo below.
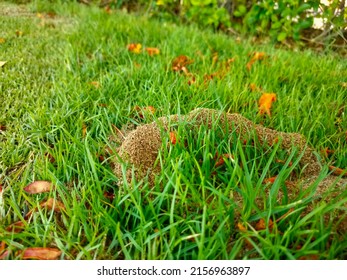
(70, 84)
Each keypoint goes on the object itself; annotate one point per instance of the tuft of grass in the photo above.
(56, 125)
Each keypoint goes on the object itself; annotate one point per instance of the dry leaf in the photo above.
(109, 195)
(220, 160)
(241, 227)
(152, 51)
(326, 152)
(1, 189)
(261, 225)
(256, 56)
(2, 40)
(179, 64)
(135, 48)
(283, 162)
(16, 227)
(5, 254)
(95, 84)
(173, 137)
(270, 180)
(143, 110)
(265, 103)
(338, 171)
(2, 127)
(52, 204)
(39, 187)
(41, 254)
(2, 63)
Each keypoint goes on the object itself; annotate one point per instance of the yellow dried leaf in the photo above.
(2, 63)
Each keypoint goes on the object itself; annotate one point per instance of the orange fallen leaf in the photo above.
(270, 180)
(173, 137)
(50, 158)
(326, 151)
(53, 204)
(135, 48)
(265, 103)
(2, 246)
(192, 80)
(41, 253)
(142, 110)
(179, 64)
(109, 195)
(16, 227)
(283, 162)
(5, 254)
(39, 187)
(152, 51)
(95, 84)
(256, 56)
(261, 225)
(1, 189)
(338, 171)
(220, 160)
(241, 227)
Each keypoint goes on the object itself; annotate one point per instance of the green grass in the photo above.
(46, 99)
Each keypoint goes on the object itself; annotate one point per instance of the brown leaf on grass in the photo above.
(255, 57)
(2, 246)
(270, 180)
(1, 188)
(53, 204)
(241, 227)
(134, 48)
(152, 51)
(173, 137)
(19, 33)
(39, 187)
(144, 110)
(309, 257)
(326, 152)
(192, 80)
(50, 158)
(265, 103)
(16, 227)
(4, 254)
(2, 127)
(2, 63)
(95, 84)
(338, 171)
(220, 159)
(283, 162)
(261, 224)
(109, 195)
(180, 63)
(41, 254)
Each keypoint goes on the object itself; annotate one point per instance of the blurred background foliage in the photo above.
(315, 22)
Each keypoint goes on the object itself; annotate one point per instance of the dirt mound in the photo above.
(140, 148)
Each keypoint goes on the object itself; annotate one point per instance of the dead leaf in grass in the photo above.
(2, 127)
(134, 48)
(95, 84)
(53, 204)
(109, 195)
(265, 103)
(173, 137)
(270, 180)
(2, 40)
(180, 63)
(41, 254)
(2, 63)
(39, 187)
(84, 130)
(144, 110)
(261, 224)
(152, 51)
(5, 254)
(16, 227)
(338, 171)
(19, 33)
(255, 57)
